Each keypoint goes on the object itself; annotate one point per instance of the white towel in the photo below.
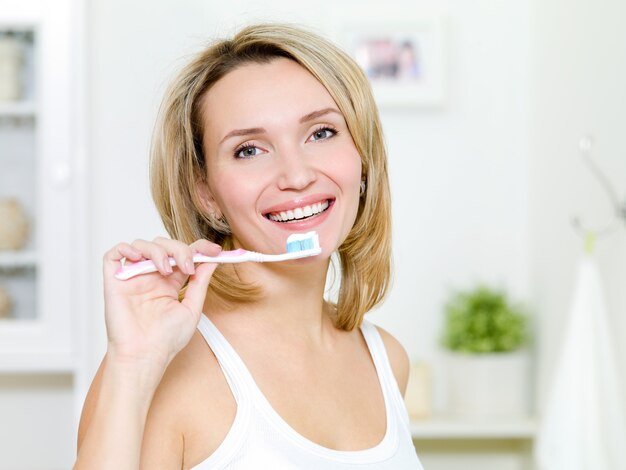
(583, 424)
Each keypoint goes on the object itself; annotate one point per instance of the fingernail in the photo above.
(166, 265)
(189, 267)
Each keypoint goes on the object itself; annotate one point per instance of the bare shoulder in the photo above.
(192, 393)
(398, 358)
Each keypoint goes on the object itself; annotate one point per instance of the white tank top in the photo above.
(260, 439)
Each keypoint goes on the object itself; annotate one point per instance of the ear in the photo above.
(209, 204)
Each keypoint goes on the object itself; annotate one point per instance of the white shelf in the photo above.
(17, 109)
(21, 348)
(38, 364)
(18, 259)
(449, 428)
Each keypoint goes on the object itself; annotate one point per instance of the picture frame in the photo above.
(403, 59)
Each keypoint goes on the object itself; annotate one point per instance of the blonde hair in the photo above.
(178, 163)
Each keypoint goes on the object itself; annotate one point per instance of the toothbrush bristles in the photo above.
(302, 242)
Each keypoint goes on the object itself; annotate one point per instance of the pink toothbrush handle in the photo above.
(125, 271)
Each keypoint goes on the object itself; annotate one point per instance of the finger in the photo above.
(157, 254)
(205, 247)
(198, 286)
(122, 250)
(112, 257)
(181, 252)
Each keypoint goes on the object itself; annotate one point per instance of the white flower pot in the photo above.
(495, 385)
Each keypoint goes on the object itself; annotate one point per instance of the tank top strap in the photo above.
(234, 369)
(383, 367)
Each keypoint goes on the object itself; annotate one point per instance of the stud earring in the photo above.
(218, 223)
(363, 187)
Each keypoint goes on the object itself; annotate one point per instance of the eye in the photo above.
(247, 150)
(323, 133)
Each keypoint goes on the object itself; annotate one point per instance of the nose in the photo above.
(295, 172)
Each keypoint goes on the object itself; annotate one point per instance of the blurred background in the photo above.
(484, 105)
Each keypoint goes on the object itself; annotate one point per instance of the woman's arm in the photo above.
(147, 326)
(114, 415)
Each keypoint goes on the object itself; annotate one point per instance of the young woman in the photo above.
(243, 366)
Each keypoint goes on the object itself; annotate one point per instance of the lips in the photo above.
(299, 210)
(299, 213)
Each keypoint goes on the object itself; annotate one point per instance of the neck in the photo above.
(292, 304)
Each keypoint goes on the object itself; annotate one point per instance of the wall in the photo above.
(577, 86)
(459, 173)
(36, 426)
(483, 188)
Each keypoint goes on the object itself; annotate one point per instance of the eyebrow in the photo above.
(316, 114)
(261, 130)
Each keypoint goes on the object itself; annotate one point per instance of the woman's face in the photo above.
(280, 159)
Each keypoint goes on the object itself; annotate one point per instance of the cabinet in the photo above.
(37, 171)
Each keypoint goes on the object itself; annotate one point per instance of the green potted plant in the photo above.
(487, 364)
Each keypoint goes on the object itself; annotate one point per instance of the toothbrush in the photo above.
(298, 246)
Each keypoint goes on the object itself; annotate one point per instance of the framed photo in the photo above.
(404, 60)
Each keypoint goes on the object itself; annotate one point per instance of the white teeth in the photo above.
(299, 212)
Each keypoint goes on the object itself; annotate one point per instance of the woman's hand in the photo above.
(145, 321)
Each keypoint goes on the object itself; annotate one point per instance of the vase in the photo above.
(6, 304)
(11, 59)
(491, 385)
(418, 395)
(14, 226)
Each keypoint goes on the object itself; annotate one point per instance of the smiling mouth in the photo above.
(299, 213)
